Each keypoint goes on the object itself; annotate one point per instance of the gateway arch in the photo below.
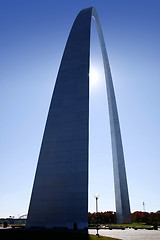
(60, 191)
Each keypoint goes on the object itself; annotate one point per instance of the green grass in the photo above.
(134, 224)
(94, 237)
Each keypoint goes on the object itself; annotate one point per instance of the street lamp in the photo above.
(96, 195)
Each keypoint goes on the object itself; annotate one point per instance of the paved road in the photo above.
(130, 234)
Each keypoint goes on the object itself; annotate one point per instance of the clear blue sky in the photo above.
(33, 34)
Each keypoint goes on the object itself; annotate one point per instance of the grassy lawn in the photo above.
(7, 234)
(134, 224)
(94, 237)
(130, 225)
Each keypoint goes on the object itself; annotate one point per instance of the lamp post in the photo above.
(96, 195)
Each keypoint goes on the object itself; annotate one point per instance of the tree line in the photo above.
(109, 217)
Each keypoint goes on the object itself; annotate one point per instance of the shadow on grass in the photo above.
(7, 234)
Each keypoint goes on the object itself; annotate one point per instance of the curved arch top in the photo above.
(60, 191)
